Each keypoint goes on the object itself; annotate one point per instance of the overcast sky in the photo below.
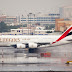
(19, 7)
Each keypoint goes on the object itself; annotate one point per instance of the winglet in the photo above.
(64, 34)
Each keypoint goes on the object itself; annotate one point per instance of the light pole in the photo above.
(29, 21)
(22, 24)
(34, 24)
(28, 24)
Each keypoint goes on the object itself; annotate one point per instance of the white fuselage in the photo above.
(7, 40)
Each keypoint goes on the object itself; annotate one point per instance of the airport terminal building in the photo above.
(42, 19)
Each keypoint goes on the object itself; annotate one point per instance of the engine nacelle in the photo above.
(32, 45)
(28, 45)
(20, 46)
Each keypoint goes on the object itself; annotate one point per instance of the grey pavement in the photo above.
(19, 60)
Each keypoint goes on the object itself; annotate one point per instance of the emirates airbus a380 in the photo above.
(35, 41)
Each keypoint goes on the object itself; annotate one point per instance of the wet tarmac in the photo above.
(12, 59)
(36, 67)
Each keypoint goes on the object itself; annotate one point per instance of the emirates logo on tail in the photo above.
(66, 33)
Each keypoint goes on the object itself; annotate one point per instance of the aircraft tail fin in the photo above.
(66, 33)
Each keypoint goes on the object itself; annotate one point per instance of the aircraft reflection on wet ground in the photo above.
(20, 60)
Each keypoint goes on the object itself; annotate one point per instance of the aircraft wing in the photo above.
(39, 44)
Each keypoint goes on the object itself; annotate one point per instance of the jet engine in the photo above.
(28, 45)
(33, 45)
(19, 46)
